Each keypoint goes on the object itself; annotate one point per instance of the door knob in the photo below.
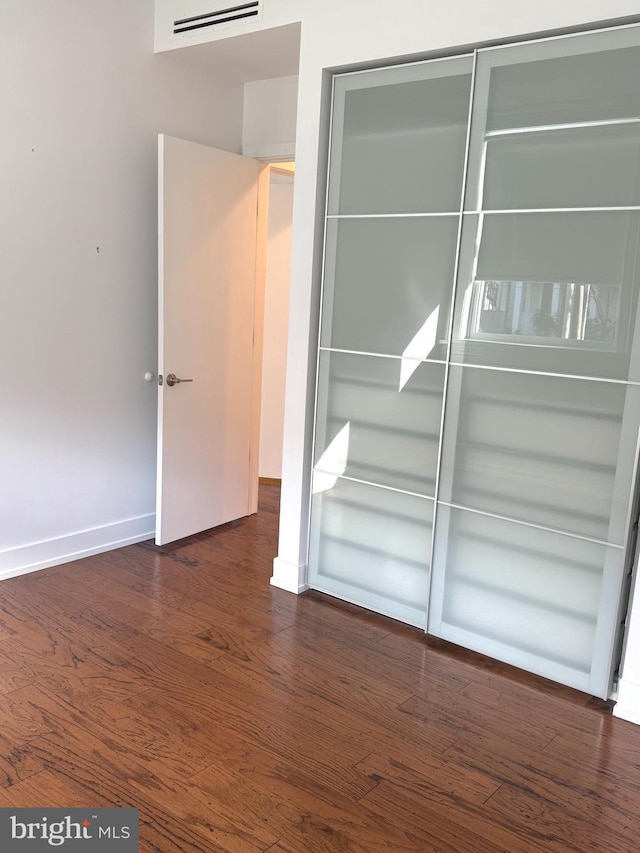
(172, 380)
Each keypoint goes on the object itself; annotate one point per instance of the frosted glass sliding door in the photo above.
(372, 430)
(550, 291)
(370, 546)
(542, 400)
(521, 594)
(398, 139)
(478, 385)
(393, 221)
(541, 449)
(388, 283)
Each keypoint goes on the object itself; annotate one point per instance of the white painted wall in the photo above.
(276, 317)
(270, 114)
(82, 98)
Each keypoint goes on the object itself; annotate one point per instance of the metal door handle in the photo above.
(172, 380)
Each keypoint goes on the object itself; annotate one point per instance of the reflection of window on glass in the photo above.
(542, 313)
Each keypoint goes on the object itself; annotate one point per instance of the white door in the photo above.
(208, 201)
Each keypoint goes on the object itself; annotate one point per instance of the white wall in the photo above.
(82, 98)
(276, 317)
(270, 113)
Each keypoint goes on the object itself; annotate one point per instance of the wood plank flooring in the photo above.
(237, 717)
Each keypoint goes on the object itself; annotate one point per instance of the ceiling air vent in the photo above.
(226, 15)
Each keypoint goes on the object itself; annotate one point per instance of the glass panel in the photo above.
(378, 419)
(555, 313)
(388, 285)
(541, 449)
(371, 546)
(580, 167)
(399, 138)
(523, 595)
(551, 292)
(556, 124)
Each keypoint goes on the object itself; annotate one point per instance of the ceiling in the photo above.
(248, 56)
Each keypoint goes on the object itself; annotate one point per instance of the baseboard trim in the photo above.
(291, 577)
(75, 546)
(294, 588)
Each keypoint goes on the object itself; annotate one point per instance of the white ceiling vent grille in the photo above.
(229, 15)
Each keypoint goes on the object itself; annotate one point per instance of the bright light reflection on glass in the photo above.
(420, 347)
(546, 313)
(333, 462)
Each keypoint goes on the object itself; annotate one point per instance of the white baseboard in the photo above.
(627, 706)
(65, 549)
(289, 576)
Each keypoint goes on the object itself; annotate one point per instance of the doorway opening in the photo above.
(279, 207)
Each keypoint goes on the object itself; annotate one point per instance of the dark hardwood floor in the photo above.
(237, 717)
